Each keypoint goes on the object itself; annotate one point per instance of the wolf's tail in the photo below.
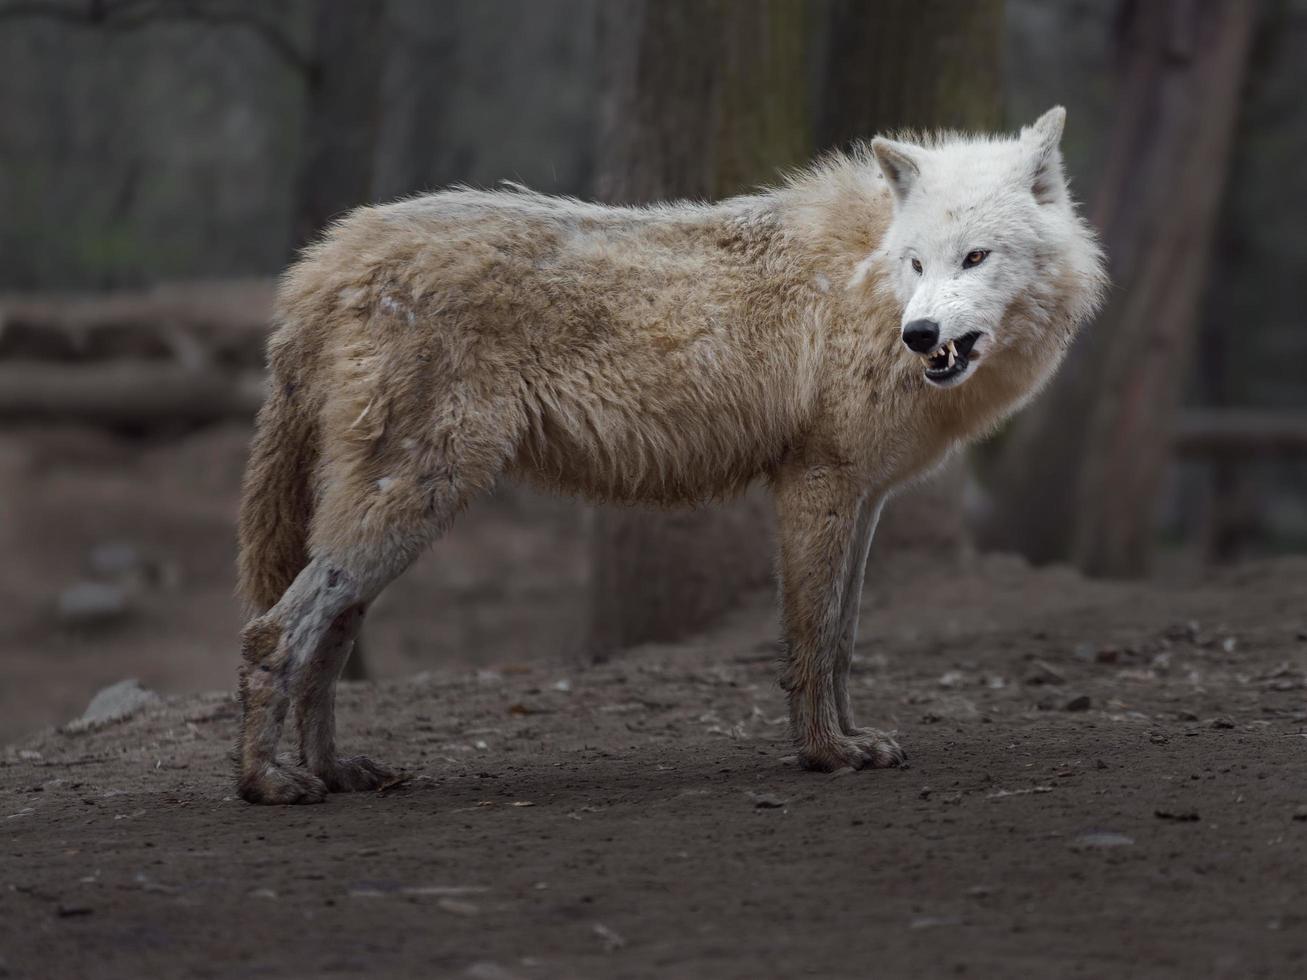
(277, 497)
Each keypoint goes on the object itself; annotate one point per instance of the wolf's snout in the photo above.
(921, 336)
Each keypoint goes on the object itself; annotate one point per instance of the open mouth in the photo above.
(950, 361)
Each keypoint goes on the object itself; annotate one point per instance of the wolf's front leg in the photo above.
(823, 536)
(864, 530)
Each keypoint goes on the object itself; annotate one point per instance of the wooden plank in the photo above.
(151, 394)
(1240, 432)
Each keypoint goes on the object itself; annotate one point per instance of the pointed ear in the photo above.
(900, 163)
(1043, 140)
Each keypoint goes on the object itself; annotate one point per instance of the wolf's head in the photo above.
(985, 251)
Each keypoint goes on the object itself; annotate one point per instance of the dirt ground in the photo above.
(1105, 780)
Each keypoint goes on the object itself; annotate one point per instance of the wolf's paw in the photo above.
(866, 748)
(356, 775)
(281, 785)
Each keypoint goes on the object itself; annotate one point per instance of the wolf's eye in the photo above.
(916, 266)
(974, 259)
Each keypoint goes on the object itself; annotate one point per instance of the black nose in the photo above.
(921, 336)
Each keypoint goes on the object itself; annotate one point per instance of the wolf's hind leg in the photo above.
(280, 649)
(317, 713)
(819, 516)
(378, 525)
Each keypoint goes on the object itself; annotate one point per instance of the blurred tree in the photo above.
(1079, 478)
(342, 75)
(1231, 512)
(342, 118)
(127, 15)
(703, 99)
(343, 113)
(708, 99)
(920, 65)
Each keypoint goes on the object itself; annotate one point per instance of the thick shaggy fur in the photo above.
(667, 355)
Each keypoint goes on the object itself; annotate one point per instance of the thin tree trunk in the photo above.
(341, 124)
(707, 99)
(1080, 477)
(704, 99)
(920, 65)
(343, 113)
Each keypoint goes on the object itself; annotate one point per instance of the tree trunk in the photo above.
(1080, 478)
(341, 123)
(921, 65)
(704, 99)
(342, 115)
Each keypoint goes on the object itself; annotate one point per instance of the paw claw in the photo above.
(866, 748)
(278, 785)
(355, 775)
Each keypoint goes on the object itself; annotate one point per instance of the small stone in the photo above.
(1079, 703)
(1182, 816)
(1101, 841)
(767, 801)
(88, 604)
(115, 703)
(455, 907)
(1042, 673)
(1300, 814)
(121, 561)
(611, 939)
(489, 970)
(1221, 722)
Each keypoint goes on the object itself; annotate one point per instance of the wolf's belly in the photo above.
(623, 457)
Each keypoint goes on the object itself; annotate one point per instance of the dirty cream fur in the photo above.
(665, 355)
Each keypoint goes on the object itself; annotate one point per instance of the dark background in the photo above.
(161, 161)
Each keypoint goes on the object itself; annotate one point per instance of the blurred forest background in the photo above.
(161, 160)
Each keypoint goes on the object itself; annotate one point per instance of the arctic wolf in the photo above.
(836, 337)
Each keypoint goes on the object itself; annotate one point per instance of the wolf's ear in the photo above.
(1043, 140)
(899, 162)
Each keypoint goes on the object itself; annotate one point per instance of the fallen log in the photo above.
(223, 321)
(1240, 432)
(150, 394)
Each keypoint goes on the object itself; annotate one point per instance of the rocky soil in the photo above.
(1105, 780)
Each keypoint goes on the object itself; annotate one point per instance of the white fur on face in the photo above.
(1004, 197)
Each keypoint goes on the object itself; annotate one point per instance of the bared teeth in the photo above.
(952, 354)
